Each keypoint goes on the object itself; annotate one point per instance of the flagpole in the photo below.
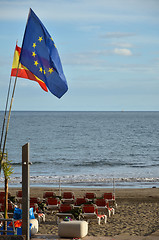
(59, 186)
(5, 112)
(4, 144)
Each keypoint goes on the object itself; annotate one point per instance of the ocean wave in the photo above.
(109, 163)
(33, 163)
(81, 179)
(98, 163)
(16, 164)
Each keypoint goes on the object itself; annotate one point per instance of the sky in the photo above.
(109, 52)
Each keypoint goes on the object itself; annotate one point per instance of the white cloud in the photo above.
(84, 10)
(122, 51)
(94, 57)
(118, 35)
(122, 44)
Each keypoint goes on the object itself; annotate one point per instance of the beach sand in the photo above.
(136, 216)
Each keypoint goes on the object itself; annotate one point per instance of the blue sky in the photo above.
(109, 52)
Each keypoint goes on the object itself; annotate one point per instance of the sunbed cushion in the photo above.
(73, 229)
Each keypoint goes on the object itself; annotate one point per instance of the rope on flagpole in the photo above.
(5, 113)
(4, 144)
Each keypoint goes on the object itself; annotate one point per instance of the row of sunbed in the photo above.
(91, 207)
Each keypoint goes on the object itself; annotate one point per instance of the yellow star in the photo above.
(40, 39)
(33, 54)
(50, 70)
(40, 69)
(54, 43)
(34, 45)
(36, 63)
(44, 72)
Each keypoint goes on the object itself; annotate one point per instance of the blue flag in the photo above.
(40, 56)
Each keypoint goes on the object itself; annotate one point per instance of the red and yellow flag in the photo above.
(23, 72)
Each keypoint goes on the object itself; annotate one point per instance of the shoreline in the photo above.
(120, 193)
(97, 185)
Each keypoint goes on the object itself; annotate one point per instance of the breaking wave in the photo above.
(86, 181)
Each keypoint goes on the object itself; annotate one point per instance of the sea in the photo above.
(85, 149)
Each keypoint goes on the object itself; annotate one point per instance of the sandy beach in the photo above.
(136, 217)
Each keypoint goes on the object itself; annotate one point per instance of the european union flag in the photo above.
(40, 56)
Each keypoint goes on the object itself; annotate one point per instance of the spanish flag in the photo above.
(23, 72)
